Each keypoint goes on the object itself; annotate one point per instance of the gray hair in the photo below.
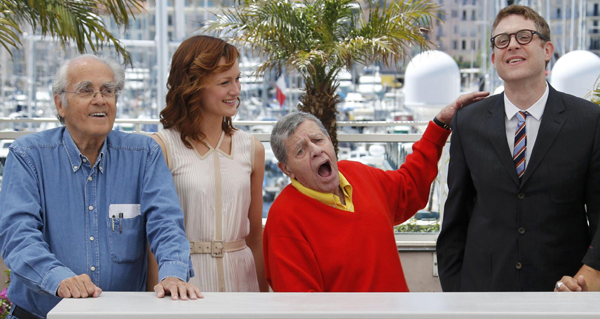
(60, 78)
(285, 127)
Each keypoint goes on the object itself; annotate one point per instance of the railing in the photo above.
(263, 137)
(394, 154)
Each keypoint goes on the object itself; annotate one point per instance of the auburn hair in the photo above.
(192, 67)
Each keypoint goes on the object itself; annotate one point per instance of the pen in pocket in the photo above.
(121, 223)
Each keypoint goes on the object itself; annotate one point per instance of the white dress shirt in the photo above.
(532, 122)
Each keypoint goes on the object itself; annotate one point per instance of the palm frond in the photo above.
(72, 20)
(394, 30)
(318, 38)
(9, 34)
(9, 27)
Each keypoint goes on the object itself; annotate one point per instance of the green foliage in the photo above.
(68, 20)
(5, 304)
(412, 227)
(305, 35)
(594, 96)
(318, 38)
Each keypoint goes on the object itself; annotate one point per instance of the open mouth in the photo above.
(325, 169)
(98, 114)
(229, 101)
(515, 60)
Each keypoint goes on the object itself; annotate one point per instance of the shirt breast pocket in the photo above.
(126, 239)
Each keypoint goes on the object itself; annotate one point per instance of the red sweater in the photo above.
(311, 247)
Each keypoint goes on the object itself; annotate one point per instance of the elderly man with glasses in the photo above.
(331, 229)
(80, 203)
(524, 175)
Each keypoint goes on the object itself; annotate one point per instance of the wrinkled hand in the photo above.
(78, 287)
(446, 114)
(177, 289)
(572, 284)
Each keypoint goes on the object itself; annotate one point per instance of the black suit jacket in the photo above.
(502, 235)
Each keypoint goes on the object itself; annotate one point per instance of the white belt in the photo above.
(216, 248)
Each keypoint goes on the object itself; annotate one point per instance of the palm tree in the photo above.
(68, 20)
(319, 38)
(594, 95)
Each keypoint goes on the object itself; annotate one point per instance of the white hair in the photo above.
(61, 82)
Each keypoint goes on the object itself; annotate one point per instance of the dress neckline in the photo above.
(213, 149)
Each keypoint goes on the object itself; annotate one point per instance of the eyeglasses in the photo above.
(86, 93)
(523, 37)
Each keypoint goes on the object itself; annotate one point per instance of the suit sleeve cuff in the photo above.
(174, 269)
(591, 259)
(52, 280)
(436, 134)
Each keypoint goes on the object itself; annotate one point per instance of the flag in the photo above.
(280, 95)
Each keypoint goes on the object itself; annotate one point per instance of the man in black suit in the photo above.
(524, 173)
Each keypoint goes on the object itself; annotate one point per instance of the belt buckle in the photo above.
(217, 249)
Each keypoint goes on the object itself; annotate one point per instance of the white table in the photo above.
(134, 305)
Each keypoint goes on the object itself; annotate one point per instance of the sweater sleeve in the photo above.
(291, 265)
(408, 187)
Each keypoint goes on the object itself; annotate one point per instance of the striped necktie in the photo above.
(520, 144)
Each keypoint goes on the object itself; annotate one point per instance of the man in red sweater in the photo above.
(331, 230)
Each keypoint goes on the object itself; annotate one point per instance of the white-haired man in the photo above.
(79, 203)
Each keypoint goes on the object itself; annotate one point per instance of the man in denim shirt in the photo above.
(80, 203)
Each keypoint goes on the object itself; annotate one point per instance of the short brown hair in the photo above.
(195, 60)
(541, 25)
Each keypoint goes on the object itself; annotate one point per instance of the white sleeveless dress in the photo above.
(196, 177)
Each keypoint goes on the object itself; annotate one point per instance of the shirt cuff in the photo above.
(436, 134)
(174, 269)
(52, 280)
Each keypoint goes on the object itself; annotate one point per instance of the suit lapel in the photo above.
(497, 135)
(552, 123)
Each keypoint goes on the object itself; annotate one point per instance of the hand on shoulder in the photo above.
(446, 114)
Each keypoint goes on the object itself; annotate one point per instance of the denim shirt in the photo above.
(55, 223)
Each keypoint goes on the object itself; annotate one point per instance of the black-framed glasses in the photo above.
(523, 37)
(86, 93)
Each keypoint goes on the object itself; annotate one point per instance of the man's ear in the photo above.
(285, 169)
(548, 50)
(60, 108)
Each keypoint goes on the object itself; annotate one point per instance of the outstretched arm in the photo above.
(413, 179)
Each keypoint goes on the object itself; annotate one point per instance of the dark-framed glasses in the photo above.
(86, 93)
(523, 37)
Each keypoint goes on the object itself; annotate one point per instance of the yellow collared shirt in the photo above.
(329, 199)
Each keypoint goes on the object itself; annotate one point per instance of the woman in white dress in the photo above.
(218, 170)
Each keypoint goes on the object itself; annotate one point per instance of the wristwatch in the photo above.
(440, 123)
